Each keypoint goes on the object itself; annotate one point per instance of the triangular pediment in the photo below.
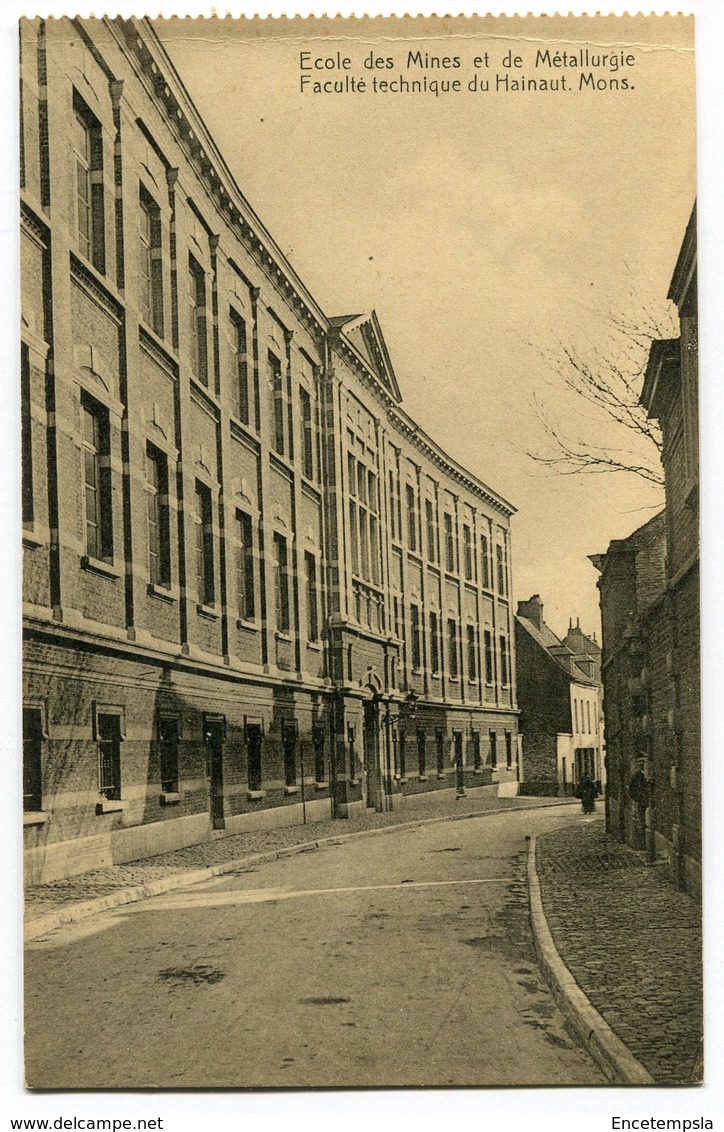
(362, 332)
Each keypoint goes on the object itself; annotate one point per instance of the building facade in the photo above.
(560, 706)
(255, 592)
(649, 589)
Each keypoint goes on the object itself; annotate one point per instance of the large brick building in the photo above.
(649, 588)
(256, 592)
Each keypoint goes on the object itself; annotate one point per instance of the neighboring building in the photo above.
(256, 592)
(650, 613)
(632, 585)
(585, 649)
(560, 706)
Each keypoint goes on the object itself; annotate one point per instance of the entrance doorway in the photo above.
(214, 741)
(371, 756)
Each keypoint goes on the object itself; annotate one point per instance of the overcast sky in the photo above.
(478, 226)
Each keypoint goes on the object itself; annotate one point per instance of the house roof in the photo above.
(546, 639)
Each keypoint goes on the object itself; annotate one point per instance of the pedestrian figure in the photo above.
(587, 794)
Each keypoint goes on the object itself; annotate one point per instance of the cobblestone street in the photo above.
(632, 943)
(45, 898)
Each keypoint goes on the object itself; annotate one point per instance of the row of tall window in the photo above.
(400, 751)
(109, 741)
(99, 529)
(449, 540)
(452, 635)
(585, 717)
(91, 222)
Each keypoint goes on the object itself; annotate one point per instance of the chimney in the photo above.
(532, 609)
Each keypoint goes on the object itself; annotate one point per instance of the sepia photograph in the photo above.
(360, 552)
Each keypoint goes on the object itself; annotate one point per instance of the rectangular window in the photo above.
(468, 552)
(354, 536)
(151, 263)
(508, 749)
(394, 506)
(421, 752)
(411, 517)
(476, 750)
(97, 480)
(416, 641)
(449, 543)
(305, 403)
(434, 643)
(493, 749)
(310, 567)
(588, 717)
(253, 755)
(575, 715)
(197, 321)
(32, 759)
(488, 638)
(281, 583)
(440, 751)
(452, 638)
(28, 505)
(245, 566)
(90, 205)
(431, 530)
(204, 545)
(240, 370)
(503, 660)
(109, 756)
(500, 560)
(275, 378)
(289, 744)
(168, 753)
(159, 536)
(318, 745)
(485, 562)
(472, 652)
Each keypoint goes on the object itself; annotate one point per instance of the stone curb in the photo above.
(80, 910)
(605, 1047)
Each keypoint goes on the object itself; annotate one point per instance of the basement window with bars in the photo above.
(108, 733)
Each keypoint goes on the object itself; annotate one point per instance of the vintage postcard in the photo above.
(361, 740)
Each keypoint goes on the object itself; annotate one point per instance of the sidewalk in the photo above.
(632, 943)
(58, 896)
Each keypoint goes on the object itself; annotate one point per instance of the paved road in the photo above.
(398, 960)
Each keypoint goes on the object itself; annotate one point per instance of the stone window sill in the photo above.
(96, 566)
(321, 786)
(249, 626)
(422, 778)
(441, 775)
(169, 798)
(35, 817)
(255, 795)
(208, 611)
(31, 540)
(110, 806)
(164, 593)
(291, 789)
(314, 646)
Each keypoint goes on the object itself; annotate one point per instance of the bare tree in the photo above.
(613, 432)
